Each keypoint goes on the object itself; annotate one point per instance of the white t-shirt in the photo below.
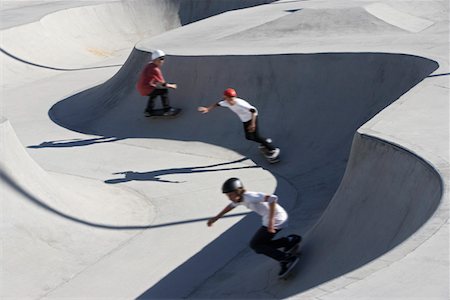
(241, 108)
(256, 202)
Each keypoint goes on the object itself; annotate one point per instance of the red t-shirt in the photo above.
(150, 76)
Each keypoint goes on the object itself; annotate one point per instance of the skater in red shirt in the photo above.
(151, 83)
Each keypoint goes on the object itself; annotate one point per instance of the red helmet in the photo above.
(230, 92)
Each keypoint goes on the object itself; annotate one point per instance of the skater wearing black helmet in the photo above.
(248, 114)
(274, 219)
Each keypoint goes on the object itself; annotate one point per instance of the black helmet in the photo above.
(231, 185)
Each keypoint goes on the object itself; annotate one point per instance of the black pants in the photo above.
(263, 243)
(254, 136)
(164, 94)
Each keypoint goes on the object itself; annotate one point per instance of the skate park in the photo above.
(99, 201)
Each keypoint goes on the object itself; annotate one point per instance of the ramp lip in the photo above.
(398, 18)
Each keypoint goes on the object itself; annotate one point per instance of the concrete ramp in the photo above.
(94, 36)
(311, 105)
(398, 18)
(50, 222)
(328, 97)
(387, 193)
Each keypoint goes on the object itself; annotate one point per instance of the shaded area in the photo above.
(311, 105)
(192, 11)
(182, 281)
(179, 283)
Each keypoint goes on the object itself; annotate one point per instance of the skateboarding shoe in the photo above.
(287, 264)
(293, 241)
(274, 153)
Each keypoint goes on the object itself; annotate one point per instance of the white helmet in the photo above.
(157, 54)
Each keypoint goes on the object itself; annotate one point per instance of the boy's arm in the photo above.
(207, 109)
(165, 85)
(228, 208)
(157, 80)
(272, 202)
(252, 126)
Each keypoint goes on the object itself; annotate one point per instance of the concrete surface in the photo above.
(100, 202)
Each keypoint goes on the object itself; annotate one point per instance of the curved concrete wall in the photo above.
(43, 237)
(386, 195)
(311, 105)
(96, 36)
(82, 36)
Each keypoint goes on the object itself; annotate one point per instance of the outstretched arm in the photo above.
(207, 109)
(219, 215)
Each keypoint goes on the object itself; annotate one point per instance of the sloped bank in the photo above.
(311, 105)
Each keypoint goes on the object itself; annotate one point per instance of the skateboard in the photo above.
(295, 251)
(265, 153)
(159, 113)
(285, 276)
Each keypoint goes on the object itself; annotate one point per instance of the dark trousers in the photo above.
(254, 136)
(164, 94)
(263, 243)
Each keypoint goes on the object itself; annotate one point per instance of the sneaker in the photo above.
(287, 265)
(274, 153)
(147, 113)
(293, 241)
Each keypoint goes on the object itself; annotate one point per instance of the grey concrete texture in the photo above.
(358, 105)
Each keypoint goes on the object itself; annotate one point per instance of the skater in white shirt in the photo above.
(274, 219)
(248, 114)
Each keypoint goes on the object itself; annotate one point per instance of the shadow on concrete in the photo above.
(155, 175)
(41, 203)
(179, 283)
(75, 142)
(231, 244)
(439, 75)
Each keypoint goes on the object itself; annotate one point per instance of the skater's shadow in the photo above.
(11, 183)
(157, 174)
(76, 142)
